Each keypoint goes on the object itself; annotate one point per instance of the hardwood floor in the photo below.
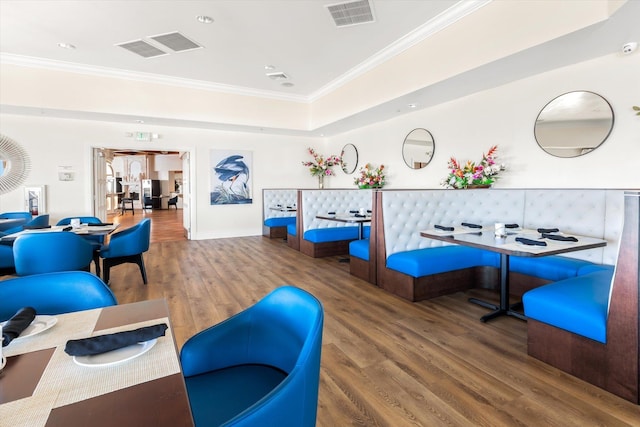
(385, 361)
(166, 224)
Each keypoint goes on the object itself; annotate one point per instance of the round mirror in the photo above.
(418, 148)
(349, 157)
(574, 124)
(15, 164)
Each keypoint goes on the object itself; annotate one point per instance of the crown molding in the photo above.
(32, 62)
(434, 25)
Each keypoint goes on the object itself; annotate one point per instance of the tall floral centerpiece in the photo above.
(370, 177)
(471, 174)
(320, 166)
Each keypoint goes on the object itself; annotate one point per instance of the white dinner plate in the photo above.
(115, 356)
(40, 324)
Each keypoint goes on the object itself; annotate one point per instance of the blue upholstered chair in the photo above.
(96, 240)
(173, 201)
(147, 203)
(54, 293)
(47, 252)
(127, 246)
(41, 221)
(18, 219)
(6, 257)
(260, 367)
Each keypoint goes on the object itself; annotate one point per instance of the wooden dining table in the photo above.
(41, 385)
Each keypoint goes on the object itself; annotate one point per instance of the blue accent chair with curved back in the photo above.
(96, 240)
(41, 221)
(19, 218)
(127, 246)
(47, 252)
(260, 367)
(54, 293)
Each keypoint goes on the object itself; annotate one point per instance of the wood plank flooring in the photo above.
(385, 361)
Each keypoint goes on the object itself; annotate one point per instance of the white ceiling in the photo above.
(297, 37)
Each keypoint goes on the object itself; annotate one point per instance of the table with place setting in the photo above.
(360, 218)
(58, 374)
(510, 240)
(82, 229)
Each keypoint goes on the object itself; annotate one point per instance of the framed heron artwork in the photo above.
(230, 177)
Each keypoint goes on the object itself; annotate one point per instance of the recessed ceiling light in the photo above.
(66, 46)
(269, 67)
(139, 121)
(412, 105)
(287, 84)
(203, 19)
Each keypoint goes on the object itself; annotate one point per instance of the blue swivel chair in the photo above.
(127, 246)
(260, 367)
(37, 253)
(18, 219)
(96, 240)
(54, 293)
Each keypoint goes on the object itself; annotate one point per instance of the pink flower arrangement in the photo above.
(370, 177)
(483, 173)
(321, 166)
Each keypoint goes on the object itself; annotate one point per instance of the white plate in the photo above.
(115, 356)
(40, 324)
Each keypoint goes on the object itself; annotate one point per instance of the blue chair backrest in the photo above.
(39, 221)
(46, 252)
(17, 215)
(84, 220)
(283, 330)
(54, 293)
(132, 241)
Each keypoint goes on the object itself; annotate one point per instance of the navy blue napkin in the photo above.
(359, 216)
(467, 224)
(354, 212)
(511, 226)
(69, 228)
(443, 228)
(35, 227)
(109, 342)
(547, 230)
(100, 224)
(559, 238)
(530, 242)
(18, 323)
(331, 213)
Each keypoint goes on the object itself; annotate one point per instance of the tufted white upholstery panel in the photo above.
(320, 202)
(406, 213)
(274, 197)
(596, 213)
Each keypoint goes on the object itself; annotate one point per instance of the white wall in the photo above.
(463, 128)
(467, 127)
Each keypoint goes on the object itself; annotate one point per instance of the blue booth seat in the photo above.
(551, 268)
(127, 246)
(54, 293)
(260, 367)
(37, 253)
(360, 249)
(291, 229)
(428, 261)
(280, 221)
(320, 235)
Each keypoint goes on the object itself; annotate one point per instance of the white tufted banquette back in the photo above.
(595, 213)
(273, 197)
(320, 202)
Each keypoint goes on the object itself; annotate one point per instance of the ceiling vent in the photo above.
(142, 48)
(278, 75)
(176, 42)
(351, 13)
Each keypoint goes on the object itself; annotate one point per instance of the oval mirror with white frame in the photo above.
(349, 157)
(574, 124)
(418, 148)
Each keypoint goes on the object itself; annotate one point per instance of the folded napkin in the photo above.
(468, 224)
(559, 238)
(100, 224)
(547, 230)
(443, 228)
(69, 228)
(18, 323)
(354, 211)
(109, 342)
(35, 227)
(526, 241)
(511, 226)
(331, 213)
(359, 216)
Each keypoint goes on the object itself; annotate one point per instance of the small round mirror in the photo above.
(574, 124)
(349, 157)
(418, 148)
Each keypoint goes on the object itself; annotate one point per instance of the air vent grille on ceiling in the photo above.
(142, 48)
(278, 75)
(176, 42)
(351, 13)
